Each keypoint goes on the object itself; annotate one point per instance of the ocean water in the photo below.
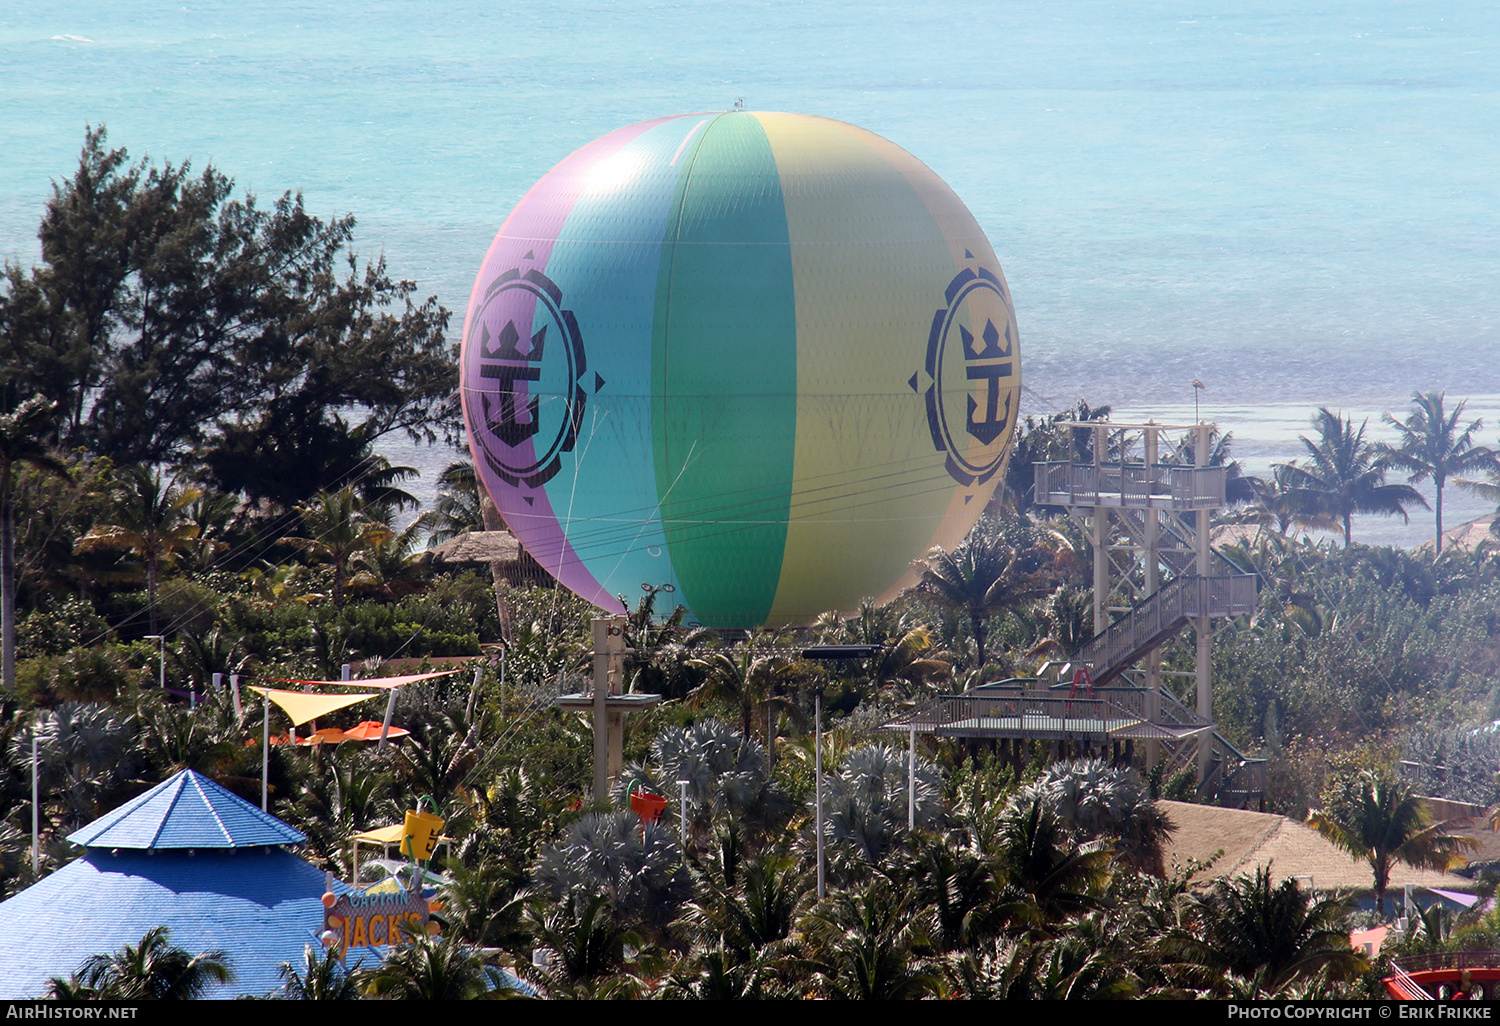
(1295, 205)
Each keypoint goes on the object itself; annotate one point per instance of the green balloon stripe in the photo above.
(724, 374)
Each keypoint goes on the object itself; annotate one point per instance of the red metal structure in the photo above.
(1445, 976)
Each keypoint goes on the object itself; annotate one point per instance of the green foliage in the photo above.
(152, 970)
(1405, 638)
(435, 969)
(1274, 934)
(1455, 762)
(412, 628)
(169, 318)
(21, 446)
(640, 873)
(51, 513)
(1378, 818)
(57, 626)
(323, 977)
(101, 673)
(1345, 475)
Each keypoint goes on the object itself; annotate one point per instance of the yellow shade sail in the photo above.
(382, 835)
(303, 706)
(388, 835)
(373, 682)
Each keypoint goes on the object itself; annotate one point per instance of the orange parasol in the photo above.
(369, 730)
(326, 736)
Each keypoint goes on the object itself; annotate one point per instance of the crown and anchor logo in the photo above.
(985, 357)
(531, 363)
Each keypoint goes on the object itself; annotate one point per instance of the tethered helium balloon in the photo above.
(760, 361)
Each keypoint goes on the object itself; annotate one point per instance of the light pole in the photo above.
(36, 816)
(826, 652)
(911, 781)
(818, 779)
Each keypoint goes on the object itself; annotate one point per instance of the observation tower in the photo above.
(1144, 493)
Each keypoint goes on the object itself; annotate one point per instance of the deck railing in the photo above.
(1458, 960)
(1158, 485)
(1159, 615)
(1006, 711)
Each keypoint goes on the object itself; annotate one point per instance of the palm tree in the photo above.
(950, 876)
(152, 521)
(152, 970)
(437, 969)
(322, 978)
(338, 528)
(215, 651)
(1432, 446)
(1102, 801)
(586, 935)
(1378, 818)
(659, 655)
(728, 778)
(21, 434)
(867, 801)
(388, 567)
(1038, 857)
(438, 765)
(757, 914)
(206, 738)
(377, 485)
(459, 508)
(1277, 507)
(346, 797)
(484, 904)
(747, 678)
(1067, 618)
(1345, 475)
(212, 513)
(1251, 928)
(639, 871)
(905, 661)
(982, 576)
(864, 946)
(719, 974)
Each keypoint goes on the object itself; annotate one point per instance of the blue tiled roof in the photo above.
(186, 811)
(261, 907)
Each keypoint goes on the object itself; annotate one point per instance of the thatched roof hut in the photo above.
(1250, 840)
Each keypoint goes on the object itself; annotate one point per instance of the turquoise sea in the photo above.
(1295, 204)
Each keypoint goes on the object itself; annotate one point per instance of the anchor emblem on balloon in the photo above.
(980, 370)
(530, 358)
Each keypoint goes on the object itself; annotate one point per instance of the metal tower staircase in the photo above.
(1161, 615)
(1145, 500)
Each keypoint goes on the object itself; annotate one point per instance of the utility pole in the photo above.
(606, 703)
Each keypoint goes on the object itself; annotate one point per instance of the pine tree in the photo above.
(171, 320)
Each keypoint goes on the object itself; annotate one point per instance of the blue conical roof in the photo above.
(186, 811)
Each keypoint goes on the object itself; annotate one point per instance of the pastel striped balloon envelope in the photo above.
(760, 361)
